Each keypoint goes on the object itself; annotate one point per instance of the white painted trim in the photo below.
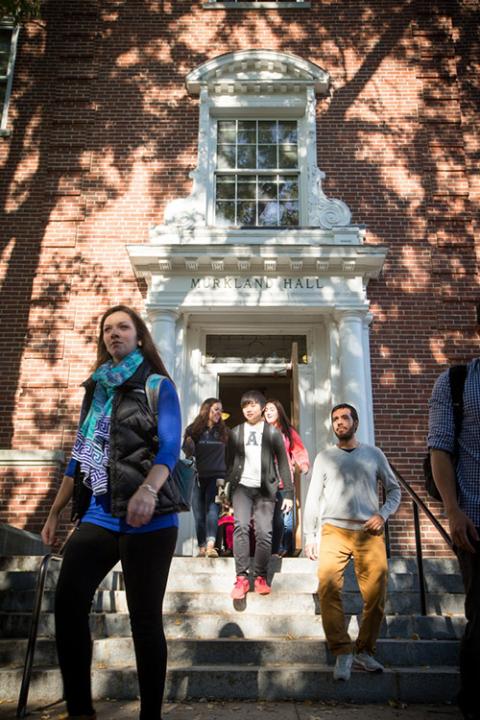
(10, 70)
(247, 68)
(31, 458)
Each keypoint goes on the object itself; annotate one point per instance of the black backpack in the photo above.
(457, 376)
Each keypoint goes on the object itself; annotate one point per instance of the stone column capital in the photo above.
(156, 312)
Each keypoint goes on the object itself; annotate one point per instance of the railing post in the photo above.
(418, 546)
(32, 637)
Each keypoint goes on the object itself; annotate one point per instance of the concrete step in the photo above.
(188, 565)
(214, 580)
(117, 652)
(220, 602)
(268, 682)
(235, 623)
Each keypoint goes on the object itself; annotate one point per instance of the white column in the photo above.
(352, 367)
(163, 324)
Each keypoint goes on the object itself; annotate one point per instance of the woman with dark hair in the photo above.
(206, 438)
(125, 508)
(282, 536)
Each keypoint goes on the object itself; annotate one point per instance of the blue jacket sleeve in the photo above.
(169, 426)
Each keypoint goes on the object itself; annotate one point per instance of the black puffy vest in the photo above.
(133, 446)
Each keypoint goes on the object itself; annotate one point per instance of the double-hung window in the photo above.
(8, 47)
(257, 173)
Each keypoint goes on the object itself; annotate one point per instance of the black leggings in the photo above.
(90, 554)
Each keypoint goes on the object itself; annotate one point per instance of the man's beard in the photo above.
(347, 435)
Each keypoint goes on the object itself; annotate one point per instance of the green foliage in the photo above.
(20, 11)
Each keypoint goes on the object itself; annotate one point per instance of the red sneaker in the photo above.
(261, 586)
(241, 587)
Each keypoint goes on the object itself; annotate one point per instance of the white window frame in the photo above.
(256, 84)
(6, 24)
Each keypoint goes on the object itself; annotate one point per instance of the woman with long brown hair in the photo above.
(283, 522)
(206, 438)
(124, 505)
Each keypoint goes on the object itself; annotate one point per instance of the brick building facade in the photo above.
(126, 177)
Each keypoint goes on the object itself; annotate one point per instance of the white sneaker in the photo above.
(343, 666)
(366, 662)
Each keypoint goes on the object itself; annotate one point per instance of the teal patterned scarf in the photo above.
(92, 446)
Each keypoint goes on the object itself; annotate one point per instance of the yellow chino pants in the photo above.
(337, 547)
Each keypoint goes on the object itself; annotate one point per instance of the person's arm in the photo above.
(462, 529)
(385, 474)
(441, 441)
(62, 499)
(311, 511)
(141, 505)
(283, 468)
(188, 446)
(299, 452)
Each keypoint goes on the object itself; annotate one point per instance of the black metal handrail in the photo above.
(418, 503)
(32, 636)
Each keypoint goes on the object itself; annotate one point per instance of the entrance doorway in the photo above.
(232, 387)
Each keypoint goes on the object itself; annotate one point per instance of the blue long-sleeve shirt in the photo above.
(169, 438)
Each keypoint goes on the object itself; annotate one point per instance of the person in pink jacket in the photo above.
(283, 523)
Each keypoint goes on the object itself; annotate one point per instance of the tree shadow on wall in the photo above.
(100, 105)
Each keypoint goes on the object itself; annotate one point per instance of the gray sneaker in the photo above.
(343, 666)
(364, 661)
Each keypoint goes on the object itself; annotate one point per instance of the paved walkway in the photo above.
(127, 710)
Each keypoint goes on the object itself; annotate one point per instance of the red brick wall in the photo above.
(105, 133)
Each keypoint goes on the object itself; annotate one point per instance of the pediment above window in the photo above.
(257, 71)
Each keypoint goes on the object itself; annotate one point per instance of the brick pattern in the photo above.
(105, 134)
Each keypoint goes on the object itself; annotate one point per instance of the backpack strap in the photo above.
(457, 376)
(152, 391)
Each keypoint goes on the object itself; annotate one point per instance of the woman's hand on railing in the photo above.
(49, 530)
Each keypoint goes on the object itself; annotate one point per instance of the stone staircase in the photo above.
(264, 647)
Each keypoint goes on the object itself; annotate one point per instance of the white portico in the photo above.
(257, 258)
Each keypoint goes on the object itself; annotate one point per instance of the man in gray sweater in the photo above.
(343, 500)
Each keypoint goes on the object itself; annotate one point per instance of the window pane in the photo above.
(288, 189)
(246, 212)
(267, 189)
(267, 132)
(226, 130)
(287, 131)
(5, 40)
(267, 156)
(247, 188)
(287, 156)
(226, 156)
(246, 156)
(268, 213)
(225, 188)
(247, 132)
(289, 213)
(225, 213)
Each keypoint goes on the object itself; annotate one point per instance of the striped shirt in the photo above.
(441, 435)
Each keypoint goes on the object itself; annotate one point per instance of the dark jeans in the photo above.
(282, 535)
(245, 502)
(90, 554)
(470, 645)
(205, 510)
